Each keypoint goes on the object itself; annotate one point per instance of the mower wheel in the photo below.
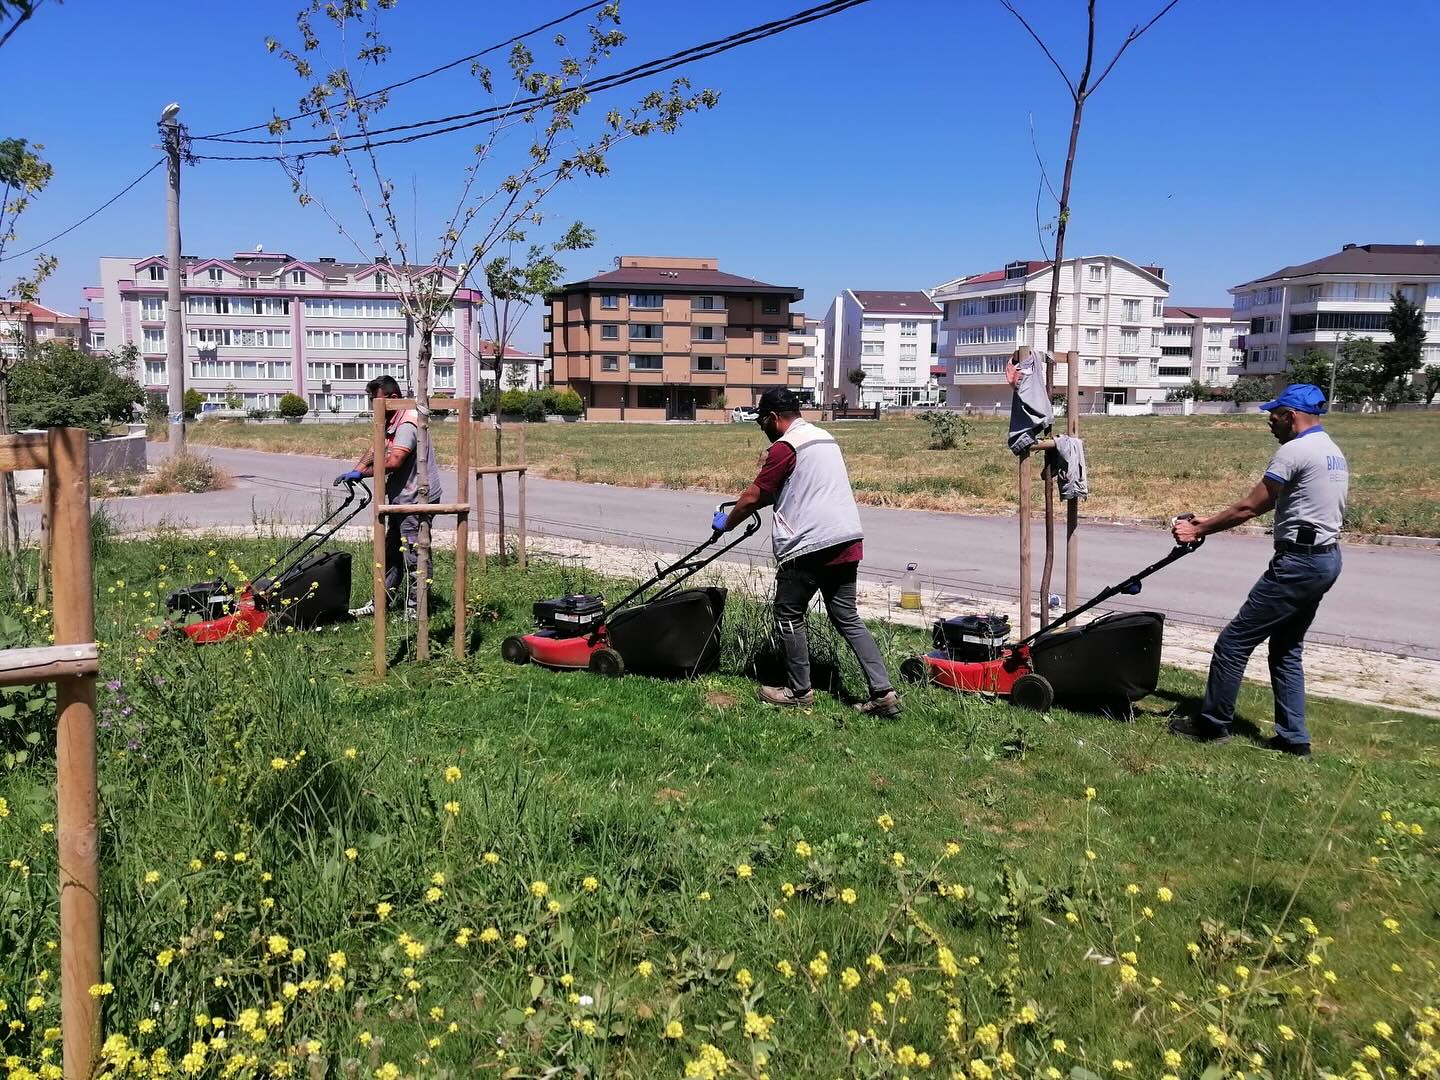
(607, 662)
(1033, 692)
(513, 650)
(915, 670)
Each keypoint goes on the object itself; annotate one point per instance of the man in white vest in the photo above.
(818, 544)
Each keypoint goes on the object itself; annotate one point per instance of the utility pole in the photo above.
(174, 346)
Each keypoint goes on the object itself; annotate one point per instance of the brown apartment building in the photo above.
(671, 339)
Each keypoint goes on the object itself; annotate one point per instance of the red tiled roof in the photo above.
(36, 311)
(1199, 313)
(980, 279)
(486, 350)
(895, 303)
(662, 278)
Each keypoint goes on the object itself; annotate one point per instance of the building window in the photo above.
(297, 277)
(215, 274)
(157, 272)
(707, 333)
(770, 305)
(707, 363)
(645, 331)
(1157, 308)
(1129, 372)
(1155, 339)
(1008, 302)
(1092, 305)
(707, 303)
(1432, 292)
(999, 334)
(653, 362)
(1097, 272)
(995, 365)
(610, 302)
(1174, 371)
(909, 328)
(908, 352)
(152, 308)
(873, 326)
(1092, 365)
(152, 341)
(156, 373)
(1212, 352)
(610, 331)
(1211, 374)
(1129, 341)
(1432, 322)
(1132, 310)
(770, 337)
(650, 397)
(872, 348)
(969, 365)
(770, 367)
(1092, 335)
(207, 305)
(907, 374)
(444, 376)
(609, 362)
(972, 335)
(970, 307)
(647, 301)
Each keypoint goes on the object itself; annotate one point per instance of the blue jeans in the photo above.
(1280, 607)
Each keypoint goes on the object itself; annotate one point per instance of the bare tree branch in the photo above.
(1043, 47)
(23, 13)
(1134, 35)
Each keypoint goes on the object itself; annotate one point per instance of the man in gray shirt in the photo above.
(1306, 483)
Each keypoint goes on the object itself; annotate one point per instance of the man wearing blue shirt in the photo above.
(1306, 484)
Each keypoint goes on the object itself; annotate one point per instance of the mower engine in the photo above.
(972, 638)
(208, 598)
(570, 616)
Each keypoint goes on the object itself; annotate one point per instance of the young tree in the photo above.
(1432, 382)
(515, 376)
(57, 385)
(1249, 388)
(534, 143)
(1311, 366)
(1360, 375)
(1402, 355)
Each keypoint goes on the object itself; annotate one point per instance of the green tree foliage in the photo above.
(192, 403)
(569, 403)
(1251, 388)
(1361, 374)
(947, 429)
(293, 406)
(23, 174)
(1432, 382)
(57, 385)
(512, 402)
(1401, 356)
(1311, 366)
(856, 377)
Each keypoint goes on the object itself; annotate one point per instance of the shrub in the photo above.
(548, 397)
(157, 405)
(947, 429)
(569, 404)
(535, 409)
(187, 471)
(258, 414)
(1251, 388)
(293, 406)
(513, 402)
(484, 404)
(193, 403)
(56, 385)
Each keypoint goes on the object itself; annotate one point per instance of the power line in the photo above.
(87, 217)
(222, 135)
(460, 121)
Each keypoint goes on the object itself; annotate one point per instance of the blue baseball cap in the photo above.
(1302, 397)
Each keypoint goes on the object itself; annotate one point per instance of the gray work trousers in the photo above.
(796, 584)
(402, 534)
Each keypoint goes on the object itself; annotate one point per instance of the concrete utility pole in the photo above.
(174, 346)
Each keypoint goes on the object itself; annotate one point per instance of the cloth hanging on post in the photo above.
(1067, 464)
(1031, 415)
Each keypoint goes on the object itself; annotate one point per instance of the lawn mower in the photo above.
(304, 588)
(1111, 661)
(669, 631)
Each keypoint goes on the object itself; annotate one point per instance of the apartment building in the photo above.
(25, 323)
(892, 338)
(263, 324)
(810, 364)
(662, 338)
(1111, 312)
(1322, 302)
(532, 367)
(1200, 344)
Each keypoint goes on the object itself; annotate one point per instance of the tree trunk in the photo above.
(424, 451)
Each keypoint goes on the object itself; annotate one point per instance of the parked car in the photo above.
(744, 414)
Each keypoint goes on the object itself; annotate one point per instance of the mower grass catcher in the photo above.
(671, 632)
(1112, 661)
(306, 588)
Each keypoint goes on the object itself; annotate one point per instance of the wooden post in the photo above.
(1072, 507)
(377, 536)
(499, 495)
(480, 519)
(462, 524)
(521, 490)
(42, 584)
(76, 781)
(1024, 499)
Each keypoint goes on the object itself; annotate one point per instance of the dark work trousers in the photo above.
(1280, 607)
(401, 536)
(796, 584)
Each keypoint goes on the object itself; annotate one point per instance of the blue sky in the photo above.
(885, 148)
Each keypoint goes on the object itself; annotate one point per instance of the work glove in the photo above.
(349, 477)
(718, 522)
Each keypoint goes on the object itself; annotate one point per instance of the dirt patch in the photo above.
(669, 794)
(720, 700)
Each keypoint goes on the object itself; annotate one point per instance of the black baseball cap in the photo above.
(778, 400)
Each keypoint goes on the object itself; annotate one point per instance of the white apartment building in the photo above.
(1200, 344)
(263, 324)
(1320, 303)
(810, 364)
(1111, 312)
(891, 336)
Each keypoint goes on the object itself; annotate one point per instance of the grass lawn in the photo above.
(481, 869)
(1140, 467)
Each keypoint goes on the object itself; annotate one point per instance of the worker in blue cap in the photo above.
(1306, 484)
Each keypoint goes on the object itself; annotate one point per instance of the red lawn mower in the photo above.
(671, 632)
(304, 589)
(1111, 661)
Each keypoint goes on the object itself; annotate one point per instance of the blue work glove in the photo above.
(718, 523)
(349, 477)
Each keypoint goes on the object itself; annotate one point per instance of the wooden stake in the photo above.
(1072, 507)
(521, 507)
(480, 518)
(462, 525)
(76, 782)
(499, 496)
(377, 535)
(1024, 499)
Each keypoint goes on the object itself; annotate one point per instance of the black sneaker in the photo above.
(1197, 730)
(1285, 746)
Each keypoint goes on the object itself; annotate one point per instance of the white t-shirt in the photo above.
(1314, 481)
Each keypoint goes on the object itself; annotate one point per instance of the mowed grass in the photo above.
(474, 868)
(1140, 468)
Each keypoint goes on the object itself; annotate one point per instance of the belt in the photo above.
(1287, 547)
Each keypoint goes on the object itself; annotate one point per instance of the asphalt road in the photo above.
(1385, 600)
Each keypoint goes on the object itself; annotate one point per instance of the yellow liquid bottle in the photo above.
(910, 589)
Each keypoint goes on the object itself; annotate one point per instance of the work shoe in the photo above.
(886, 704)
(1285, 746)
(364, 611)
(784, 696)
(1197, 730)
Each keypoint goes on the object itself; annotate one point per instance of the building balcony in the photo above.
(797, 322)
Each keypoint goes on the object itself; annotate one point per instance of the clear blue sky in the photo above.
(884, 148)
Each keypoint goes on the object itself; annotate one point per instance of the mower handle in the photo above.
(1193, 544)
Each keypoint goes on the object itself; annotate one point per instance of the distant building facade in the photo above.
(1200, 344)
(891, 336)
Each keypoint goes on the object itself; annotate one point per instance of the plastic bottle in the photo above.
(910, 589)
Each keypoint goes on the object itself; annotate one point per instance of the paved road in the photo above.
(1385, 600)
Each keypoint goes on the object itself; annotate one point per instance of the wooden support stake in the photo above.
(1024, 499)
(24, 452)
(76, 779)
(520, 483)
(480, 517)
(420, 509)
(462, 525)
(377, 535)
(21, 667)
(1072, 507)
(499, 495)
